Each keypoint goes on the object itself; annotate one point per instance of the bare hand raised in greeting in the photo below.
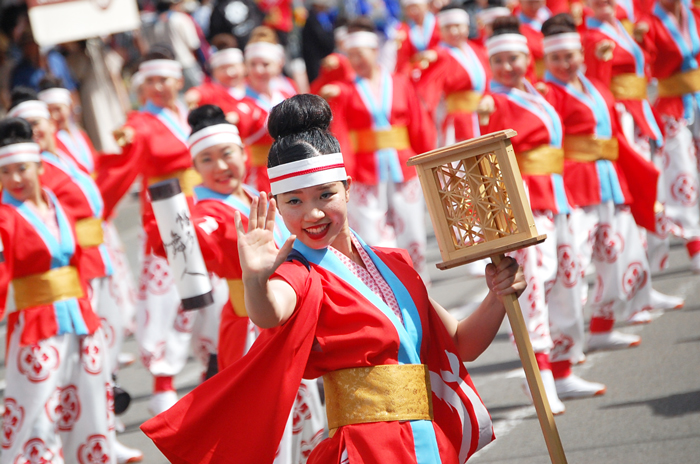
(257, 250)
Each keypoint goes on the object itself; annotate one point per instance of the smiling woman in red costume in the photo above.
(551, 302)
(217, 154)
(57, 373)
(154, 146)
(336, 307)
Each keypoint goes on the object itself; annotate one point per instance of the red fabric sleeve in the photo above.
(339, 126)
(595, 68)
(210, 239)
(241, 412)
(5, 266)
(431, 84)
(421, 130)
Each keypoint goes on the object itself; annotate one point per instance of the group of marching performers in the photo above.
(608, 175)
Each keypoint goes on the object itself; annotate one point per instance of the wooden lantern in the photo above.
(479, 209)
(476, 199)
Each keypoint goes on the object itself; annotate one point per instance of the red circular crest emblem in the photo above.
(634, 278)
(94, 451)
(91, 355)
(12, 420)
(685, 189)
(158, 277)
(608, 245)
(35, 451)
(568, 267)
(37, 361)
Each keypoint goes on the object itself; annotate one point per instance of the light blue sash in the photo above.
(420, 35)
(387, 158)
(168, 119)
(592, 99)
(466, 57)
(78, 147)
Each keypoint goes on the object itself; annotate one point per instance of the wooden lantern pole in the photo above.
(483, 169)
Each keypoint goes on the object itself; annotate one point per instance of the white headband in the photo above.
(264, 50)
(30, 109)
(361, 39)
(56, 96)
(405, 3)
(507, 43)
(213, 135)
(20, 153)
(308, 172)
(160, 68)
(136, 81)
(340, 33)
(488, 16)
(453, 16)
(226, 56)
(557, 42)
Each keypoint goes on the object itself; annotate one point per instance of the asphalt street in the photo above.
(650, 413)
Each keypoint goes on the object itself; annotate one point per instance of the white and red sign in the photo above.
(59, 21)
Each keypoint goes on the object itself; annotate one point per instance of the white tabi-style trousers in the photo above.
(205, 332)
(104, 299)
(123, 284)
(391, 214)
(678, 190)
(305, 426)
(59, 405)
(608, 236)
(551, 303)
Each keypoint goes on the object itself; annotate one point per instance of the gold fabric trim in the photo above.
(58, 284)
(540, 68)
(236, 296)
(89, 232)
(680, 84)
(628, 25)
(465, 101)
(629, 87)
(378, 394)
(189, 179)
(588, 148)
(542, 160)
(368, 140)
(258, 154)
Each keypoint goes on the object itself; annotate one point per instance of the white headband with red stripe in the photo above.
(160, 68)
(30, 109)
(226, 56)
(20, 153)
(264, 50)
(213, 135)
(56, 96)
(558, 42)
(308, 172)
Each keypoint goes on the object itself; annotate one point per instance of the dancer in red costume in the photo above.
(416, 38)
(357, 315)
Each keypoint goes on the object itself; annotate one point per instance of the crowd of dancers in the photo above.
(610, 175)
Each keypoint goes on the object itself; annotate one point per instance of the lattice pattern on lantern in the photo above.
(476, 199)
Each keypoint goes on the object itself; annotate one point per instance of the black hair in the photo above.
(50, 81)
(21, 94)
(205, 116)
(506, 25)
(15, 130)
(361, 23)
(559, 24)
(159, 52)
(452, 6)
(299, 126)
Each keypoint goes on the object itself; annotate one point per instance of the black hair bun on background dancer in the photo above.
(506, 25)
(51, 82)
(559, 24)
(299, 126)
(205, 116)
(21, 94)
(15, 130)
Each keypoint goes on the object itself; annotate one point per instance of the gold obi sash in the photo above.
(629, 26)
(464, 101)
(629, 87)
(58, 284)
(258, 154)
(395, 392)
(680, 84)
(540, 68)
(89, 232)
(369, 140)
(236, 297)
(588, 148)
(189, 179)
(542, 160)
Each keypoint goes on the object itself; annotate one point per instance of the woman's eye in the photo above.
(293, 201)
(326, 195)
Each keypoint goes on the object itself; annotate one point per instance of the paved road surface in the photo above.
(650, 414)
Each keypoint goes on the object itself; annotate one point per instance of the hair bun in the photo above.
(205, 116)
(559, 24)
(21, 94)
(506, 25)
(300, 113)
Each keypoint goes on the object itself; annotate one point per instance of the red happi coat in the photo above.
(78, 147)
(221, 418)
(406, 111)
(75, 200)
(535, 68)
(581, 178)
(445, 76)
(154, 152)
(230, 101)
(622, 62)
(666, 59)
(532, 133)
(407, 48)
(334, 67)
(27, 252)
